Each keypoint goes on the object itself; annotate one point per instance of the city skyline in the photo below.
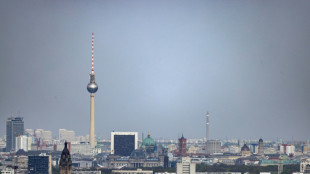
(161, 66)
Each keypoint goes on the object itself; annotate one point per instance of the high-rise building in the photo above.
(44, 135)
(92, 88)
(260, 147)
(213, 146)
(66, 135)
(40, 164)
(123, 143)
(23, 142)
(14, 128)
(186, 166)
(182, 146)
(65, 163)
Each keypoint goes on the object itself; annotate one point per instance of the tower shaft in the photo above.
(207, 127)
(92, 121)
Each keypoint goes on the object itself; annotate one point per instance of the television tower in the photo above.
(92, 88)
(207, 127)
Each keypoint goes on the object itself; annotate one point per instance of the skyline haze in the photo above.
(161, 66)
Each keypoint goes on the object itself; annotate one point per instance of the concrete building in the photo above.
(186, 166)
(66, 135)
(8, 170)
(22, 164)
(213, 146)
(123, 143)
(305, 165)
(14, 128)
(305, 148)
(40, 164)
(23, 142)
(92, 88)
(44, 135)
(287, 149)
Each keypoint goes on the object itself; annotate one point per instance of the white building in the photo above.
(8, 170)
(186, 166)
(305, 165)
(44, 135)
(66, 135)
(287, 149)
(213, 146)
(23, 142)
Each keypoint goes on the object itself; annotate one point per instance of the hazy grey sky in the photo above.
(160, 66)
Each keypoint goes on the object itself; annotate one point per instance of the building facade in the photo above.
(23, 142)
(14, 128)
(123, 143)
(213, 146)
(40, 164)
(186, 166)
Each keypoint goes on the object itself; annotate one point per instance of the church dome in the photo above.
(245, 148)
(148, 141)
(260, 140)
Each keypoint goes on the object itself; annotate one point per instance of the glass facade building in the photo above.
(14, 128)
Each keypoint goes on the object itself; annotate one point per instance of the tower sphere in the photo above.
(92, 87)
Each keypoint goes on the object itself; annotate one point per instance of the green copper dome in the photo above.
(148, 141)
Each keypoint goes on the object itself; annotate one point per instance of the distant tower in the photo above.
(14, 128)
(92, 88)
(65, 162)
(182, 146)
(207, 126)
(260, 147)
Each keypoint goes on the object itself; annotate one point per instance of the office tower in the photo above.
(182, 146)
(260, 147)
(23, 142)
(65, 163)
(40, 164)
(14, 128)
(92, 88)
(186, 166)
(123, 143)
(213, 146)
(66, 135)
(207, 126)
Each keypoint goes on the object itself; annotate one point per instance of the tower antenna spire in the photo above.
(92, 52)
